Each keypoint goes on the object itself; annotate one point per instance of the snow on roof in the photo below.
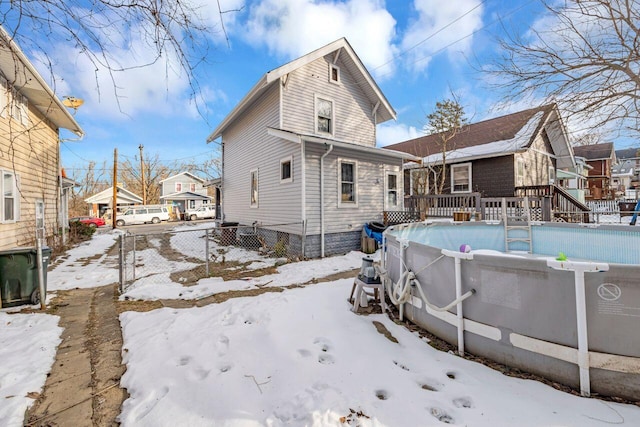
(497, 148)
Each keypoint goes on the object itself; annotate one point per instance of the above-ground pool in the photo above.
(568, 311)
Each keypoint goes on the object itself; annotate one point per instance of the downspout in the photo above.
(322, 198)
(303, 195)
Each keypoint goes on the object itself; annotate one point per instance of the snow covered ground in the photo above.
(298, 357)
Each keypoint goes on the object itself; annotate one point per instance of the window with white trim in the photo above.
(19, 109)
(9, 197)
(192, 187)
(192, 204)
(552, 174)
(4, 96)
(286, 169)
(334, 73)
(392, 200)
(324, 116)
(178, 187)
(254, 188)
(347, 182)
(461, 178)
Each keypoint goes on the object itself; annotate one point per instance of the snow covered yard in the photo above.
(297, 357)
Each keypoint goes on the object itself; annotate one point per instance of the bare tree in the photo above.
(92, 181)
(586, 57)
(154, 172)
(446, 121)
(170, 29)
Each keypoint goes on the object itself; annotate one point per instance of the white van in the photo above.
(142, 214)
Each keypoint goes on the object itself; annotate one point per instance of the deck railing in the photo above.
(564, 206)
(442, 205)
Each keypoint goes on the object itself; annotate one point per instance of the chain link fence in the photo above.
(186, 255)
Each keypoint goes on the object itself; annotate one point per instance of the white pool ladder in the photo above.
(515, 221)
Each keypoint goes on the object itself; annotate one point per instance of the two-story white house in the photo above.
(299, 153)
(184, 191)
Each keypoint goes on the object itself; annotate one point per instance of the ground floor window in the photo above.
(347, 182)
(391, 190)
(9, 195)
(461, 178)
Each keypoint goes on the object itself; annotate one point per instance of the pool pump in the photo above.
(368, 272)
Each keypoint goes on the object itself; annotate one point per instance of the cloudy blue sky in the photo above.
(419, 51)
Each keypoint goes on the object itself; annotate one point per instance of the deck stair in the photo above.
(517, 224)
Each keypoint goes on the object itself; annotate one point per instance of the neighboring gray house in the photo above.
(299, 153)
(184, 190)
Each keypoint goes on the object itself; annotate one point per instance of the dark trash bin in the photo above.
(626, 208)
(19, 282)
(228, 236)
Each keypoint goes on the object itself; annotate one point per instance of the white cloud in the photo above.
(391, 133)
(292, 28)
(419, 40)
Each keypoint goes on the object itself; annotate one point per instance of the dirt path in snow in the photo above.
(83, 388)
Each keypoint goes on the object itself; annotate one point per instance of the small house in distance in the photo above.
(601, 157)
(184, 191)
(101, 202)
(299, 154)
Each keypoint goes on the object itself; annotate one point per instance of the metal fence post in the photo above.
(121, 259)
(133, 260)
(206, 251)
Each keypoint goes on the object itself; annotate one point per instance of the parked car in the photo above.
(205, 211)
(142, 214)
(89, 220)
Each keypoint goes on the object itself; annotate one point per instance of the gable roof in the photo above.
(22, 75)
(197, 178)
(628, 153)
(489, 138)
(123, 196)
(595, 151)
(365, 82)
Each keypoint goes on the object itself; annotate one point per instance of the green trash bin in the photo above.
(19, 282)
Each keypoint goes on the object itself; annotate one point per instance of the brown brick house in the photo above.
(601, 158)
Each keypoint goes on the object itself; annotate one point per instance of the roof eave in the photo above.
(49, 104)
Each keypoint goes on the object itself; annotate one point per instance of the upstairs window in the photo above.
(324, 116)
(286, 170)
(19, 109)
(254, 188)
(461, 178)
(347, 182)
(334, 73)
(192, 187)
(178, 187)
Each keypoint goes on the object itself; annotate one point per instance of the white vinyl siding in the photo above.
(247, 146)
(352, 109)
(371, 172)
(461, 178)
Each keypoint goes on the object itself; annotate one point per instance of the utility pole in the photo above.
(114, 201)
(144, 188)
